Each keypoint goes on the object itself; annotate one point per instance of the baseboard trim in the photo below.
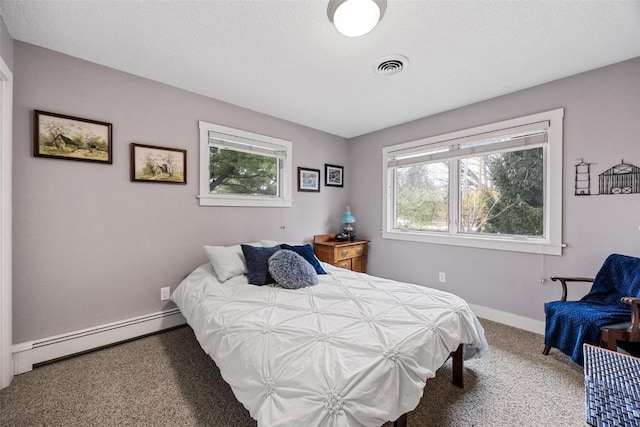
(28, 354)
(509, 319)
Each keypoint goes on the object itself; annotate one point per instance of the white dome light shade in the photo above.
(354, 18)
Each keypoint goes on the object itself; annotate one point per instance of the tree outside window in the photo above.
(241, 168)
(495, 186)
(235, 172)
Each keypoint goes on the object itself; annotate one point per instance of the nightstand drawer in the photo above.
(348, 252)
(345, 263)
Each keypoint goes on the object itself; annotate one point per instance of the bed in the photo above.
(351, 350)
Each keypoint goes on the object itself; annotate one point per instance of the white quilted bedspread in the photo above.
(354, 350)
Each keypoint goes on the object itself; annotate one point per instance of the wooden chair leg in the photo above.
(546, 350)
(609, 338)
(605, 342)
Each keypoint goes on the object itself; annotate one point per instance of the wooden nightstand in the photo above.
(351, 255)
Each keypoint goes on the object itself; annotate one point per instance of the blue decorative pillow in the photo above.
(306, 252)
(258, 263)
(291, 271)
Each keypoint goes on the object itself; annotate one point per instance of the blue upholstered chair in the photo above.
(613, 300)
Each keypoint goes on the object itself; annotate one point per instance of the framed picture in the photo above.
(158, 164)
(308, 179)
(333, 176)
(71, 138)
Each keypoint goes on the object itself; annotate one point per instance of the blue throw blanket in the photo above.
(569, 324)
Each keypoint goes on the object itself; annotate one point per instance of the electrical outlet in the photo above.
(442, 277)
(165, 293)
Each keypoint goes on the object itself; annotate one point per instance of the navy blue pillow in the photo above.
(306, 252)
(258, 263)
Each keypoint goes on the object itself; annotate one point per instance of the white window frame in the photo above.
(235, 138)
(549, 244)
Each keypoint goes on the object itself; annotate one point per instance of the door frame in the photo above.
(6, 142)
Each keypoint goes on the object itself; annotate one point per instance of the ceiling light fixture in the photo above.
(355, 18)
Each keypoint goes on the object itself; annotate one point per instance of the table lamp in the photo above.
(348, 219)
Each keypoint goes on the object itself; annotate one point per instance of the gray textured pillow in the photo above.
(291, 271)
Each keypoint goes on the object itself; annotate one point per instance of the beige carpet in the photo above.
(167, 380)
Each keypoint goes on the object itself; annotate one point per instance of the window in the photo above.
(497, 186)
(239, 168)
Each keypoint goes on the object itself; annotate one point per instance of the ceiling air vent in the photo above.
(390, 65)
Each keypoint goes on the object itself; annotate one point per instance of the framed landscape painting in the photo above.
(150, 163)
(71, 138)
(308, 179)
(333, 176)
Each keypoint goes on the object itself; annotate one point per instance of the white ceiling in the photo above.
(285, 59)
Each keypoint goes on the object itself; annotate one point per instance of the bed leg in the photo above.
(401, 422)
(458, 367)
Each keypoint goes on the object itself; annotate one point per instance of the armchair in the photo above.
(570, 324)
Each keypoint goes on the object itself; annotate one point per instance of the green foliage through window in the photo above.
(503, 193)
(241, 168)
(237, 172)
(422, 197)
(500, 193)
(496, 186)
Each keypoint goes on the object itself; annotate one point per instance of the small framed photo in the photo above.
(308, 179)
(59, 136)
(150, 163)
(333, 176)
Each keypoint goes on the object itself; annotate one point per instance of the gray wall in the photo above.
(91, 247)
(602, 124)
(6, 45)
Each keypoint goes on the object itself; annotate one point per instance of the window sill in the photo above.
(264, 202)
(536, 246)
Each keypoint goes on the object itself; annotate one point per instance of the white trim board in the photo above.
(27, 354)
(509, 319)
(6, 113)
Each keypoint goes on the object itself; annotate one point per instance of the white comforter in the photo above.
(354, 350)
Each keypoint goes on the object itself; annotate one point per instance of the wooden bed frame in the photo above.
(458, 381)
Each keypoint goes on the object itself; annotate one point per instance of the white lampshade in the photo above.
(354, 18)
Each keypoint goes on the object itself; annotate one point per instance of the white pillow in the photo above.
(228, 261)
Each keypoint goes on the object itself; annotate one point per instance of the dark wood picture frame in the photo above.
(309, 180)
(333, 175)
(59, 136)
(151, 163)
